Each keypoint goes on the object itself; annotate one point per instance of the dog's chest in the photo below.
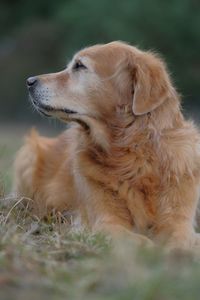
(141, 198)
(129, 182)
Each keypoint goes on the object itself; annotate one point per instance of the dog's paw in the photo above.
(142, 240)
(190, 244)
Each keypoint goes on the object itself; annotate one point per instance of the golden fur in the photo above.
(129, 161)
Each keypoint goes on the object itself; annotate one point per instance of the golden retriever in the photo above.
(130, 162)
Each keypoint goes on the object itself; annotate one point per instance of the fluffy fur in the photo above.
(130, 162)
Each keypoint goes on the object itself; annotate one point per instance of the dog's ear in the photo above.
(152, 85)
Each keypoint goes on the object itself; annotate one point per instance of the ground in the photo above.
(49, 259)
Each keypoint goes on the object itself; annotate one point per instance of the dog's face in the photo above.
(99, 81)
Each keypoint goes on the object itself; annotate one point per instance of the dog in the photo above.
(129, 162)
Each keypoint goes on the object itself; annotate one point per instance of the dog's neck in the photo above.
(124, 129)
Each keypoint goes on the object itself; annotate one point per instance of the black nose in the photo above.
(31, 81)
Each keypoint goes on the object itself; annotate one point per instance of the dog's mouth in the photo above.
(49, 111)
(64, 114)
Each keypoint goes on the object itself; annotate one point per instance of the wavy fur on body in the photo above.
(130, 162)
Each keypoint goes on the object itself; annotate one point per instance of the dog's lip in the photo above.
(44, 113)
(46, 109)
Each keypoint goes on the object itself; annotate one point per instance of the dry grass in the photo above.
(49, 259)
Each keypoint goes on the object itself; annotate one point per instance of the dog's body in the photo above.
(130, 162)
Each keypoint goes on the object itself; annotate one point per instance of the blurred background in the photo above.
(41, 36)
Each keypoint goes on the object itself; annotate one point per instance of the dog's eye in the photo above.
(78, 65)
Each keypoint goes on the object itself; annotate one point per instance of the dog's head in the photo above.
(102, 80)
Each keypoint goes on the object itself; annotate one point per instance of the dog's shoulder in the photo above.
(180, 148)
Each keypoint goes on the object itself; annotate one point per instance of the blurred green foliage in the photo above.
(40, 36)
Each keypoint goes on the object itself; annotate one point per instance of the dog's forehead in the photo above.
(108, 56)
(111, 52)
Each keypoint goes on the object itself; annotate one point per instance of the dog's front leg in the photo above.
(175, 225)
(119, 229)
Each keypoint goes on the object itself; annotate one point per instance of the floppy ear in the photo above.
(152, 85)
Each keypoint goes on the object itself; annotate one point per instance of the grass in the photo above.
(49, 259)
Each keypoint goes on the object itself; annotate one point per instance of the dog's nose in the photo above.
(31, 81)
